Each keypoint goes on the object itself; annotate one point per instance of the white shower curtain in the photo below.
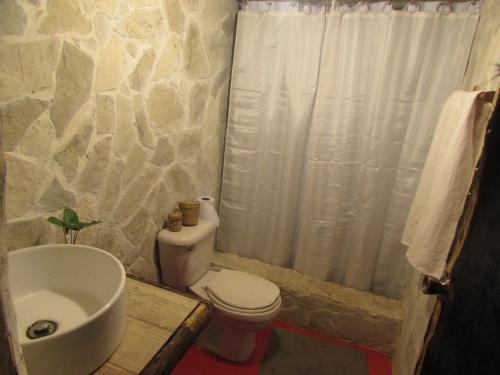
(330, 120)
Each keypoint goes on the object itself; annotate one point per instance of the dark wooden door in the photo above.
(466, 339)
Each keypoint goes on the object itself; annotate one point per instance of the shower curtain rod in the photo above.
(328, 4)
(243, 2)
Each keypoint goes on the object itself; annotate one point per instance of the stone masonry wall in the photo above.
(116, 108)
(11, 358)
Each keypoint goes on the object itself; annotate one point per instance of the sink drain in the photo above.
(41, 328)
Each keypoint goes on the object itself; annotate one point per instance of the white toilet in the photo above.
(243, 303)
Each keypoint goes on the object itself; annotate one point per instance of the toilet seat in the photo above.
(242, 291)
(225, 306)
(240, 295)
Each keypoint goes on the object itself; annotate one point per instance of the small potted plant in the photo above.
(70, 224)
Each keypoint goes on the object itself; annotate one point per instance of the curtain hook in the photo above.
(474, 7)
(414, 6)
(444, 7)
(363, 6)
(242, 4)
(388, 7)
(328, 6)
(269, 6)
(341, 7)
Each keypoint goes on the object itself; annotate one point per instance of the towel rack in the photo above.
(487, 96)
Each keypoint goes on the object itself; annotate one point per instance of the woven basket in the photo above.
(190, 212)
(174, 221)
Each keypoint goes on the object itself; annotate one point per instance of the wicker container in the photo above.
(190, 212)
(174, 221)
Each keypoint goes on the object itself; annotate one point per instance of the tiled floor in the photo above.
(197, 362)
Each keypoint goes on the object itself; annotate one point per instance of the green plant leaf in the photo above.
(70, 224)
(56, 221)
(70, 218)
(85, 225)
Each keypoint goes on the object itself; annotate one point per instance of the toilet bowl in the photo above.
(243, 303)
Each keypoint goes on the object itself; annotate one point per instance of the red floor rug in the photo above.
(198, 362)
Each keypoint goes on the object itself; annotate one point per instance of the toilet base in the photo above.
(228, 339)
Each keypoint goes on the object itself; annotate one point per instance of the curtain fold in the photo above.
(275, 73)
(330, 120)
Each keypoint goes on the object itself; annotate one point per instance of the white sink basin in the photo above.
(82, 290)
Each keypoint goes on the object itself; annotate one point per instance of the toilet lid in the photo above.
(243, 290)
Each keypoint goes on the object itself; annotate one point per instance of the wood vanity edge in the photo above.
(165, 360)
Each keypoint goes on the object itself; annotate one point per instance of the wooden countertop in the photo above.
(161, 324)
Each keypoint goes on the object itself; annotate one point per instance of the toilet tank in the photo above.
(185, 256)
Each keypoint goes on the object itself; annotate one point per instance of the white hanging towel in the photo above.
(445, 180)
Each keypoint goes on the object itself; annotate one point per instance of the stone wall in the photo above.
(418, 307)
(10, 352)
(333, 310)
(116, 108)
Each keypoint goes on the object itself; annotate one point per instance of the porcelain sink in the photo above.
(81, 290)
